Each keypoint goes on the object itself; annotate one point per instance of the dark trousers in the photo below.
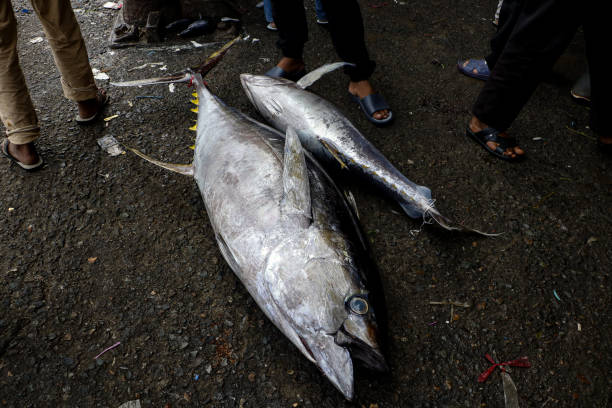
(345, 27)
(533, 34)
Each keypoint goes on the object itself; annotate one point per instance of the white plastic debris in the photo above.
(143, 66)
(131, 404)
(112, 5)
(112, 147)
(171, 88)
(36, 40)
(196, 44)
(510, 392)
(101, 75)
(165, 67)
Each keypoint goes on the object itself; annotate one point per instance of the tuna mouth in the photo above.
(369, 356)
(244, 79)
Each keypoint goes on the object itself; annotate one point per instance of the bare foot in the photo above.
(291, 65)
(90, 107)
(476, 126)
(363, 89)
(25, 153)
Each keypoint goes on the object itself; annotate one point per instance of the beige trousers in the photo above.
(64, 36)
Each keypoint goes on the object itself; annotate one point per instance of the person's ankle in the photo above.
(25, 153)
(88, 107)
(361, 88)
(291, 64)
(476, 125)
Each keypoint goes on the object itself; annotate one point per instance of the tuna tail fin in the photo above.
(210, 62)
(412, 210)
(449, 225)
(432, 212)
(186, 75)
(184, 169)
(314, 76)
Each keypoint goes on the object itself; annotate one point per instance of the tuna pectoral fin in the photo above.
(333, 360)
(314, 76)
(184, 169)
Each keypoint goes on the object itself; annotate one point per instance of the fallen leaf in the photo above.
(92, 259)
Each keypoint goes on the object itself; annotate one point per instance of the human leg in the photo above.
(347, 34)
(68, 46)
(16, 108)
(320, 13)
(267, 6)
(541, 33)
(601, 85)
(290, 19)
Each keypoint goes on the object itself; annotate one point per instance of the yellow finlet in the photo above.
(195, 94)
(195, 101)
(194, 110)
(194, 127)
(192, 147)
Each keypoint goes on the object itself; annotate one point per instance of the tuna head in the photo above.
(322, 306)
(266, 93)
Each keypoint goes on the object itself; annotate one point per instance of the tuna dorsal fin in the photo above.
(313, 76)
(184, 169)
(296, 184)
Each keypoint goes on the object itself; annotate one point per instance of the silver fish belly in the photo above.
(286, 232)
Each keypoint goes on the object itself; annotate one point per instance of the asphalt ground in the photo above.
(101, 249)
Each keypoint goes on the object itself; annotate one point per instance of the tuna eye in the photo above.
(358, 305)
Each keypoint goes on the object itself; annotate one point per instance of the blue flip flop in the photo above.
(374, 103)
(478, 65)
(278, 72)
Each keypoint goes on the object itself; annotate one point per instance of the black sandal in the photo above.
(27, 167)
(492, 135)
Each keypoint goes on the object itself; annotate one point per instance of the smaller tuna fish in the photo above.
(332, 138)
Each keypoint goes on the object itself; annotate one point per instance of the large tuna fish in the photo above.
(331, 137)
(289, 236)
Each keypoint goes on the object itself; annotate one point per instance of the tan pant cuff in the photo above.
(23, 135)
(79, 94)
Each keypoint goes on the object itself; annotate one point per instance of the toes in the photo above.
(492, 145)
(380, 115)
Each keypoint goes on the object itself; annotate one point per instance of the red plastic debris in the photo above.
(519, 362)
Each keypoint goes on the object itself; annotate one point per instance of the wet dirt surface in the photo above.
(98, 249)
